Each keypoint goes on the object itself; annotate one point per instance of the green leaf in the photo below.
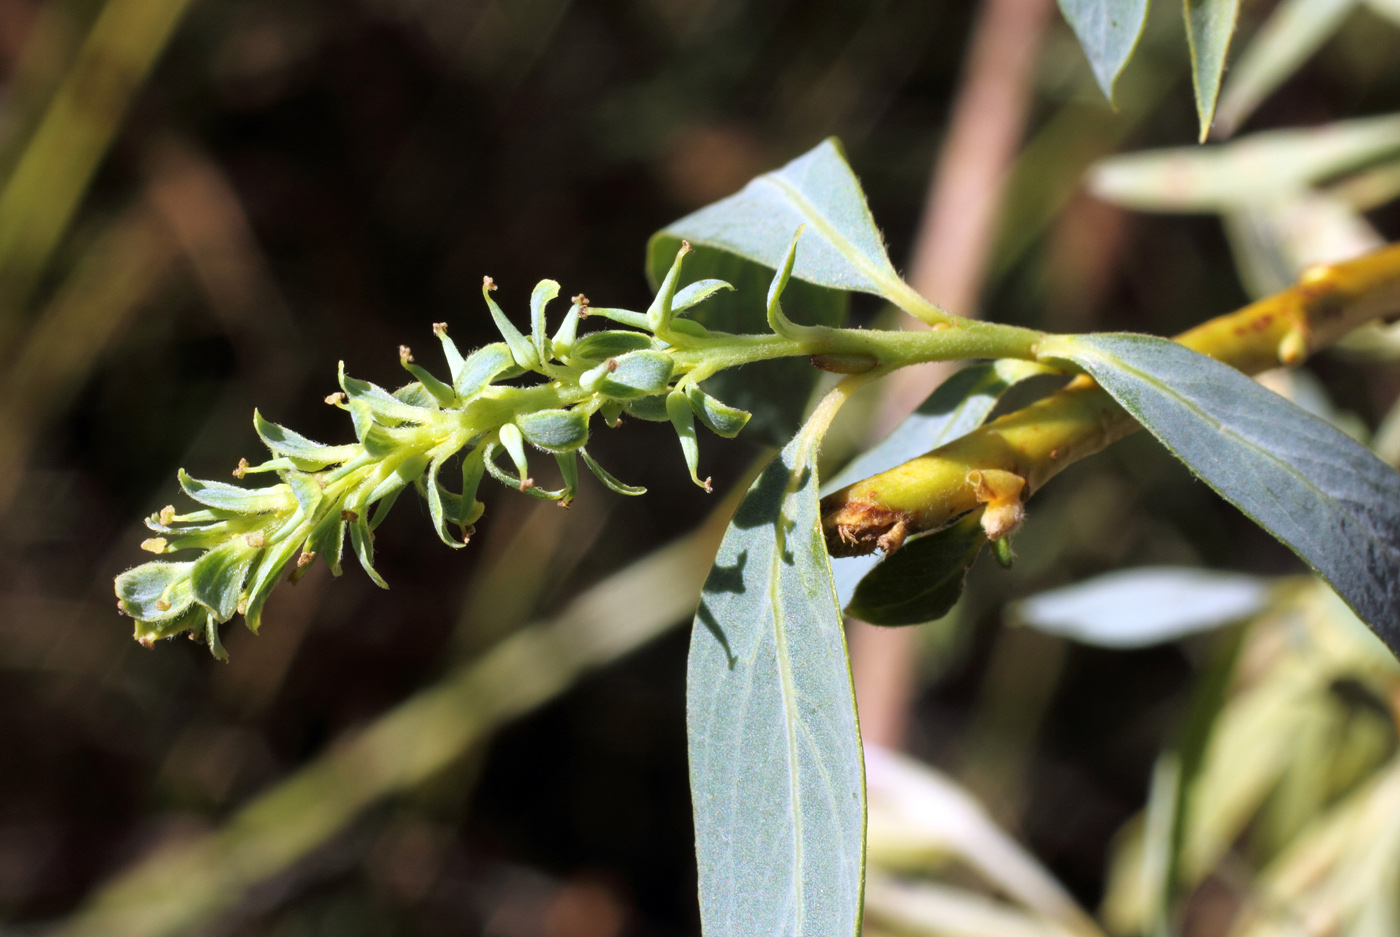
(775, 760)
(1292, 33)
(1108, 31)
(955, 408)
(1262, 167)
(922, 580)
(554, 430)
(1328, 498)
(1142, 607)
(305, 454)
(842, 249)
(232, 498)
(1209, 26)
(483, 367)
(216, 579)
(775, 392)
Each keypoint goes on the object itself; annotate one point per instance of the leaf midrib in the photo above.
(877, 276)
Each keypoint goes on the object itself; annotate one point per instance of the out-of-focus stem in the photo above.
(1039, 441)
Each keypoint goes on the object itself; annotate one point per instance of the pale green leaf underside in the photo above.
(1292, 33)
(1209, 26)
(776, 770)
(1327, 497)
(1108, 31)
(841, 247)
(1144, 606)
(1263, 167)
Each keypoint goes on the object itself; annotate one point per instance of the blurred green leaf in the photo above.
(1292, 33)
(1264, 167)
(1140, 607)
(1209, 26)
(775, 762)
(1324, 495)
(1108, 31)
(922, 580)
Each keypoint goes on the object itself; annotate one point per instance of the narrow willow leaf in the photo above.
(696, 293)
(1292, 33)
(775, 392)
(1328, 498)
(720, 419)
(1141, 607)
(1262, 167)
(922, 580)
(483, 367)
(1108, 31)
(1209, 26)
(956, 407)
(554, 430)
(142, 591)
(775, 760)
(635, 374)
(842, 249)
(544, 291)
(232, 498)
(598, 346)
(607, 479)
(307, 455)
(216, 579)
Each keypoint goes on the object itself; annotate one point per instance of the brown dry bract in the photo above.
(861, 527)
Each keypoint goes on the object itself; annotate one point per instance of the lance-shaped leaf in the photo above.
(1209, 26)
(1141, 607)
(955, 408)
(607, 479)
(922, 580)
(216, 579)
(843, 248)
(1328, 498)
(635, 374)
(1292, 33)
(307, 455)
(232, 498)
(554, 430)
(775, 762)
(1108, 31)
(483, 367)
(1261, 167)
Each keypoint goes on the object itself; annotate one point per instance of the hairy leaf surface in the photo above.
(775, 760)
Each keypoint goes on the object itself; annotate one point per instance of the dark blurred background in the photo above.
(302, 181)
